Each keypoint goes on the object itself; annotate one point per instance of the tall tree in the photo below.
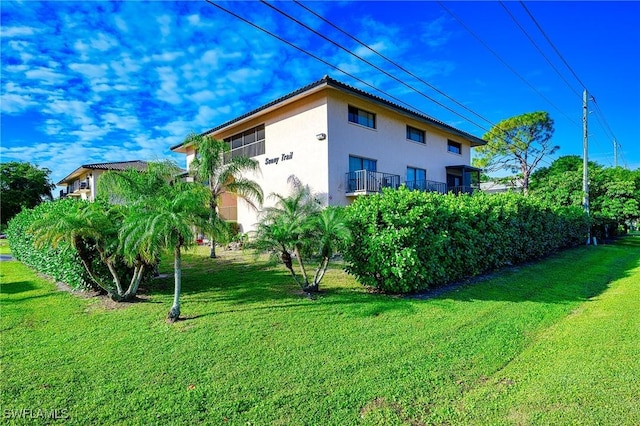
(22, 185)
(164, 213)
(222, 174)
(517, 144)
(167, 221)
(614, 193)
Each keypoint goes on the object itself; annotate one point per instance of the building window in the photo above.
(362, 117)
(454, 147)
(416, 135)
(415, 176)
(359, 163)
(249, 143)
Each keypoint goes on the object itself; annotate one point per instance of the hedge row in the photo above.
(61, 263)
(407, 241)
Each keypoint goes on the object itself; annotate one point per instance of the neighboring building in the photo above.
(343, 143)
(82, 182)
(510, 185)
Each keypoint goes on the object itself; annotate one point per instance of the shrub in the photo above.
(406, 241)
(61, 263)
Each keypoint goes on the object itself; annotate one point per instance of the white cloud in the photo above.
(434, 34)
(125, 66)
(121, 23)
(128, 123)
(103, 42)
(46, 76)
(90, 71)
(164, 22)
(244, 75)
(90, 132)
(168, 86)
(77, 111)
(202, 96)
(167, 56)
(12, 103)
(18, 31)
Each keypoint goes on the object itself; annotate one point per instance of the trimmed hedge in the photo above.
(407, 241)
(61, 263)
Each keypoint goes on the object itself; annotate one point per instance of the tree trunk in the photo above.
(212, 212)
(78, 243)
(322, 268)
(288, 263)
(301, 264)
(174, 313)
(212, 252)
(130, 294)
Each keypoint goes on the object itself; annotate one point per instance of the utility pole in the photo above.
(615, 153)
(585, 159)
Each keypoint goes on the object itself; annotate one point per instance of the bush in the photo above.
(406, 241)
(61, 263)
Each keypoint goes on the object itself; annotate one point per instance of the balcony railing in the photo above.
(463, 189)
(365, 181)
(427, 185)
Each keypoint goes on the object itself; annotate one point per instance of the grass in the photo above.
(548, 343)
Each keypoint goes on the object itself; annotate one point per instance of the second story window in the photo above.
(454, 147)
(362, 117)
(249, 143)
(416, 135)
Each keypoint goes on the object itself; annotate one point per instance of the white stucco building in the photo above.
(344, 143)
(82, 183)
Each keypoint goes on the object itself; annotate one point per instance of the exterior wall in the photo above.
(291, 148)
(387, 144)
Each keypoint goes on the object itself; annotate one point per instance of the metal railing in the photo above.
(368, 181)
(427, 185)
(463, 189)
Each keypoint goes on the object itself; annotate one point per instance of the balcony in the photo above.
(427, 185)
(362, 182)
(463, 189)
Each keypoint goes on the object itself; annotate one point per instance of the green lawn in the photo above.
(550, 343)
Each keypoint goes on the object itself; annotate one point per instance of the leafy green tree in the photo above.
(90, 227)
(222, 176)
(614, 193)
(167, 221)
(163, 214)
(298, 225)
(22, 185)
(517, 144)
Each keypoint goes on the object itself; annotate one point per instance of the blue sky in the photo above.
(86, 82)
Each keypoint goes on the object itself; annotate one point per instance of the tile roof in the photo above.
(328, 81)
(118, 165)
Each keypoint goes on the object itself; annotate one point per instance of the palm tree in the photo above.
(298, 224)
(88, 225)
(167, 221)
(222, 175)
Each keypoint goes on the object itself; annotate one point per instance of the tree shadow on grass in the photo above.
(241, 283)
(16, 287)
(577, 274)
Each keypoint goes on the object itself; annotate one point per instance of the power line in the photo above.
(345, 72)
(584, 86)
(404, 83)
(509, 67)
(383, 71)
(371, 49)
(539, 49)
(327, 63)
